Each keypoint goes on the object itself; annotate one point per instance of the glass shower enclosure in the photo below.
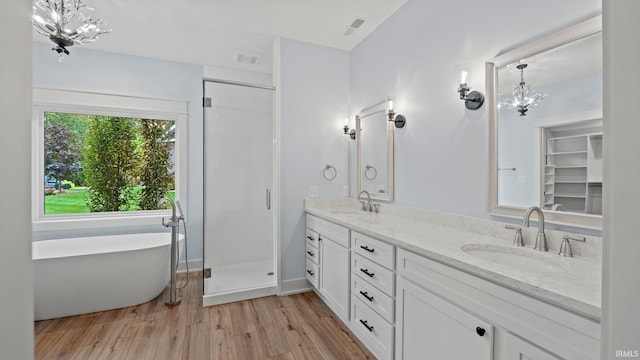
(239, 242)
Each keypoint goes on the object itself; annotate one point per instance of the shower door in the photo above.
(238, 213)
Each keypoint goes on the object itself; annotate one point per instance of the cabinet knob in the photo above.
(311, 253)
(310, 237)
(480, 331)
(310, 272)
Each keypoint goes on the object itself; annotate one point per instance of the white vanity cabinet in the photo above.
(313, 257)
(432, 328)
(516, 348)
(373, 293)
(445, 313)
(328, 267)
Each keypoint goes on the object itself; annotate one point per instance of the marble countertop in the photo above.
(572, 283)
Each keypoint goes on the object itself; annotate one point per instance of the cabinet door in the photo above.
(334, 278)
(518, 349)
(428, 327)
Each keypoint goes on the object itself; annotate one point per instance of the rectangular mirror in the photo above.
(374, 139)
(544, 103)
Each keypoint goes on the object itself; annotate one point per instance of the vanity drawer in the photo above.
(373, 330)
(313, 254)
(373, 249)
(381, 303)
(313, 275)
(324, 228)
(312, 238)
(373, 273)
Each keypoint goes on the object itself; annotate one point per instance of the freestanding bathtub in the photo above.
(83, 275)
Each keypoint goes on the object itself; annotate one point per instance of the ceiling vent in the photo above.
(246, 57)
(355, 24)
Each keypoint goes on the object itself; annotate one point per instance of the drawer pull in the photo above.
(367, 248)
(369, 327)
(366, 271)
(310, 237)
(366, 295)
(480, 331)
(311, 253)
(310, 272)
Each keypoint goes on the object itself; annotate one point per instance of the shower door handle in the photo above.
(268, 199)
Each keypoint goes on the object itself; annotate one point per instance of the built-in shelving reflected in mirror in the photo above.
(545, 113)
(375, 151)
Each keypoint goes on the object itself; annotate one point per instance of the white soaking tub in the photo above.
(83, 275)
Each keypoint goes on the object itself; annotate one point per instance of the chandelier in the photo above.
(63, 23)
(522, 97)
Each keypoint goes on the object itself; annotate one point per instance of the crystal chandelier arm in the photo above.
(64, 24)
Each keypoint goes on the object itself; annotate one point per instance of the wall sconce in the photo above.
(399, 119)
(472, 100)
(352, 132)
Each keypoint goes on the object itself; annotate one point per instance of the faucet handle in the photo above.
(517, 239)
(362, 206)
(565, 246)
(376, 208)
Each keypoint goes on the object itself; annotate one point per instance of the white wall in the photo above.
(16, 273)
(313, 86)
(440, 156)
(621, 287)
(110, 73)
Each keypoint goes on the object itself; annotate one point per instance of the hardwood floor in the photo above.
(298, 326)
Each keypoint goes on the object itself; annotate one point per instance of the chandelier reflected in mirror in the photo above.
(63, 22)
(523, 98)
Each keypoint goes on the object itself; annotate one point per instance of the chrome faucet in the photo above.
(174, 218)
(366, 206)
(173, 223)
(541, 239)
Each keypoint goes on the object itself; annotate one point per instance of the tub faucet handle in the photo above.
(169, 223)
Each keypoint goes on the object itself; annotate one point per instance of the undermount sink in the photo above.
(516, 257)
(345, 212)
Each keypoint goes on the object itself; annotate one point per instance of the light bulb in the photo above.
(463, 72)
(463, 76)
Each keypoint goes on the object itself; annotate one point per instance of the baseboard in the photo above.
(295, 286)
(195, 264)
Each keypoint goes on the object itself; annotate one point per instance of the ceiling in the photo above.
(211, 32)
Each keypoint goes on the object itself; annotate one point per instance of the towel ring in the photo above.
(331, 171)
(370, 172)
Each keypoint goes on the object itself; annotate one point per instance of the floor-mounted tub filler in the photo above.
(173, 223)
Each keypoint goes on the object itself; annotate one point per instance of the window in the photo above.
(104, 158)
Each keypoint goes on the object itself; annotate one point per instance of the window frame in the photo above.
(79, 102)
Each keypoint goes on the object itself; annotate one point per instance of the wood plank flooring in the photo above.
(298, 326)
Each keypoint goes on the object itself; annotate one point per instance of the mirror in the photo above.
(374, 139)
(545, 127)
